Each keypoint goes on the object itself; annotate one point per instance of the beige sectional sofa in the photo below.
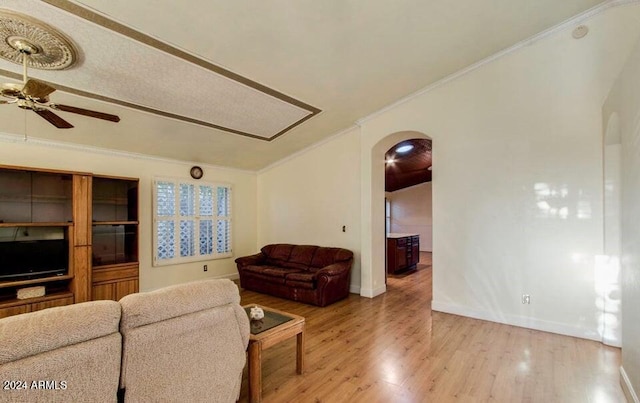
(181, 343)
(66, 354)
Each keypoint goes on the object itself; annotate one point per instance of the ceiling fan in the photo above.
(33, 94)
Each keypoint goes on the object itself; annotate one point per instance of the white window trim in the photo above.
(177, 259)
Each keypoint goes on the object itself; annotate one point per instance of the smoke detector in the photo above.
(580, 32)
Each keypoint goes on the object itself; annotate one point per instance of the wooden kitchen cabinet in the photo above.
(403, 252)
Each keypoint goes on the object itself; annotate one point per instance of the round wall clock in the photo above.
(196, 172)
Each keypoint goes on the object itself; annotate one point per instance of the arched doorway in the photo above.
(408, 215)
(373, 213)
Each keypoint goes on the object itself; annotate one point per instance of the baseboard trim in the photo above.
(373, 292)
(627, 388)
(520, 321)
(234, 276)
(354, 289)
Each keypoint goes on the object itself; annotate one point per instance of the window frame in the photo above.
(176, 218)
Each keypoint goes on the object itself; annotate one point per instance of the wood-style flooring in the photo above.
(393, 348)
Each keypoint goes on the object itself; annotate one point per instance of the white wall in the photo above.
(622, 110)
(411, 212)
(307, 199)
(31, 154)
(517, 193)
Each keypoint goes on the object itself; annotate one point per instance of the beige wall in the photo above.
(51, 156)
(308, 198)
(622, 110)
(411, 212)
(517, 181)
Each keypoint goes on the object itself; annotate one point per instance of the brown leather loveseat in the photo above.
(306, 273)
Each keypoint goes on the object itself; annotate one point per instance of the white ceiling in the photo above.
(346, 58)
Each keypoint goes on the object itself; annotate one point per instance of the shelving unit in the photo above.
(98, 217)
(115, 237)
(35, 204)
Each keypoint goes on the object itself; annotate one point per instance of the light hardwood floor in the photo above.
(393, 348)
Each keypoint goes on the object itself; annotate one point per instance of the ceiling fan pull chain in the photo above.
(24, 67)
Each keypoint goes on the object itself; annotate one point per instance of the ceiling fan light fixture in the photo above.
(33, 43)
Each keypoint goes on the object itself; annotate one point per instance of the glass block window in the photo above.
(206, 237)
(187, 202)
(165, 199)
(192, 221)
(166, 240)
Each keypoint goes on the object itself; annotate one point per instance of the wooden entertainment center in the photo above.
(97, 216)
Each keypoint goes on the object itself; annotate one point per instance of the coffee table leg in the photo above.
(255, 372)
(300, 352)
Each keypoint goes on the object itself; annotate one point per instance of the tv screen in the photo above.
(24, 260)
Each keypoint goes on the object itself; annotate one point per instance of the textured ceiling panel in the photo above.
(116, 67)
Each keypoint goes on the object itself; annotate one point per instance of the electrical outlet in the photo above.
(526, 298)
(206, 268)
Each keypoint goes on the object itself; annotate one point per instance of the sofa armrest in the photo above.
(333, 282)
(256, 259)
(336, 269)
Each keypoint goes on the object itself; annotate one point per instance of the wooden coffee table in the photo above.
(274, 328)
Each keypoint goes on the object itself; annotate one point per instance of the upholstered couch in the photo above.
(184, 343)
(66, 354)
(180, 343)
(306, 273)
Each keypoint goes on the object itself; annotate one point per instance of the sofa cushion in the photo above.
(301, 256)
(184, 343)
(265, 278)
(46, 330)
(301, 280)
(308, 277)
(268, 270)
(299, 284)
(277, 254)
(326, 256)
(78, 344)
(278, 271)
(268, 274)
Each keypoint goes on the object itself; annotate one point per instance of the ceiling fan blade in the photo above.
(37, 89)
(54, 119)
(86, 112)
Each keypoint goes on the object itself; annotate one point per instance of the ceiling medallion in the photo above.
(48, 49)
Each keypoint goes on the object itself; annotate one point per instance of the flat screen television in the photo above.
(26, 260)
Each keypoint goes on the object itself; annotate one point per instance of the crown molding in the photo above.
(576, 20)
(309, 148)
(34, 141)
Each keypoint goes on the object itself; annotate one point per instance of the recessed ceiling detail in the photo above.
(408, 168)
(128, 68)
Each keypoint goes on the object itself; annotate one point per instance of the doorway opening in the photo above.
(408, 218)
